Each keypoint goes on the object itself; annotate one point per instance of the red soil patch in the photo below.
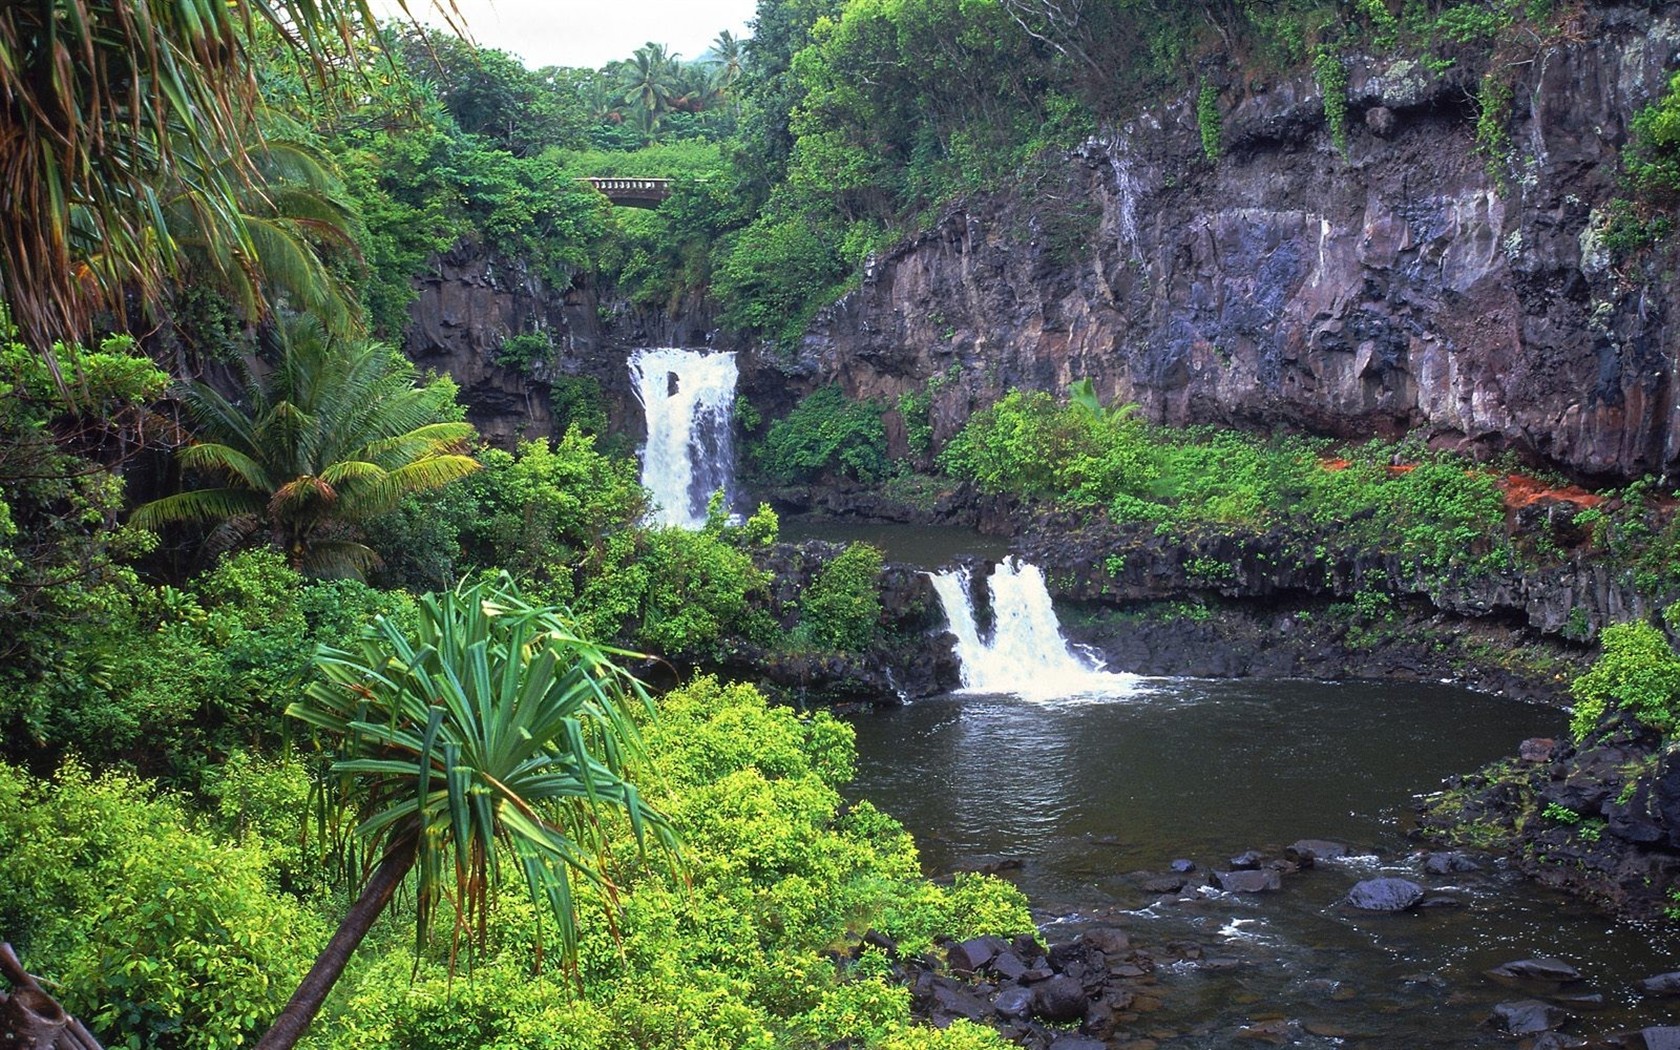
(1523, 491)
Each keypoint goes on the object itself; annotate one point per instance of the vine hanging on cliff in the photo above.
(1332, 81)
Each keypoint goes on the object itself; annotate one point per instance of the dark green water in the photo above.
(924, 546)
(1086, 794)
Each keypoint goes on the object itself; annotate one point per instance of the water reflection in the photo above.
(1085, 796)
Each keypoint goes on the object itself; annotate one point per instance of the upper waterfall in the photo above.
(689, 399)
(1026, 654)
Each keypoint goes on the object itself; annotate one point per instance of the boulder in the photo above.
(1537, 749)
(1248, 881)
(1305, 851)
(1248, 859)
(1108, 940)
(1664, 984)
(1182, 866)
(970, 955)
(1008, 965)
(951, 1001)
(1014, 1001)
(1529, 1017)
(1060, 1000)
(1075, 1041)
(1385, 895)
(1449, 864)
(1531, 971)
(1662, 1037)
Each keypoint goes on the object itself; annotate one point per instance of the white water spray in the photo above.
(689, 399)
(1026, 654)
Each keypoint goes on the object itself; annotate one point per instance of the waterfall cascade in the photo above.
(1026, 654)
(689, 399)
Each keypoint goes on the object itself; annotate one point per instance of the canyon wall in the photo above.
(1406, 284)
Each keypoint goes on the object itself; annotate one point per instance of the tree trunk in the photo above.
(306, 1002)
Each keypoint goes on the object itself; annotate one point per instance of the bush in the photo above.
(157, 934)
(779, 876)
(842, 608)
(1638, 672)
(827, 433)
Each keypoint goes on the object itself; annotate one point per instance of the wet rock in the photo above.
(1008, 966)
(1182, 866)
(1108, 940)
(1449, 864)
(1664, 984)
(1248, 860)
(1581, 1001)
(1013, 1002)
(1075, 1041)
(1165, 884)
(1439, 901)
(1305, 851)
(1060, 1000)
(1099, 1020)
(1662, 1037)
(971, 955)
(1275, 1032)
(1527, 972)
(877, 939)
(1529, 1017)
(1063, 957)
(952, 1000)
(1537, 749)
(1558, 1041)
(1385, 895)
(1248, 881)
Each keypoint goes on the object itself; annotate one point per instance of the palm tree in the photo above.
(337, 432)
(490, 731)
(726, 53)
(649, 80)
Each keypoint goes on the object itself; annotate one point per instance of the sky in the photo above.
(591, 33)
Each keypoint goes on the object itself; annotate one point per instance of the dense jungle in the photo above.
(931, 525)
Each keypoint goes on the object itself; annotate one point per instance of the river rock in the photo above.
(1165, 884)
(1558, 1041)
(1109, 940)
(1182, 866)
(1008, 965)
(971, 955)
(1664, 984)
(1530, 972)
(1014, 1001)
(1662, 1037)
(952, 1000)
(1449, 864)
(1248, 881)
(1305, 851)
(1537, 749)
(1248, 859)
(1060, 1000)
(1387, 895)
(1529, 1017)
(1075, 1041)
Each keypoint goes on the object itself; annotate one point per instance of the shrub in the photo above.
(157, 934)
(826, 433)
(1637, 671)
(842, 608)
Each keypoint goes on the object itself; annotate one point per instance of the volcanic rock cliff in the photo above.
(1409, 283)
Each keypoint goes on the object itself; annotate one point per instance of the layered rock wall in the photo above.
(1406, 284)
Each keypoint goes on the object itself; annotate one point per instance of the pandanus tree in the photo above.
(490, 736)
(335, 432)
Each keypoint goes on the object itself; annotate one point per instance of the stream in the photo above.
(1084, 794)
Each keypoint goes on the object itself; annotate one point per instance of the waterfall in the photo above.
(1026, 654)
(689, 399)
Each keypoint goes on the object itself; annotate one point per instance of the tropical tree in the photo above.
(489, 732)
(336, 432)
(649, 83)
(106, 106)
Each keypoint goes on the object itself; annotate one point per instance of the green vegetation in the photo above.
(1332, 84)
(842, 608)
(827, 433)
(333, 435)
(1207, 119)
(1638, 672)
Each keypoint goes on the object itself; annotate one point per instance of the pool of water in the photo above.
(924, 546)
(1085, 795)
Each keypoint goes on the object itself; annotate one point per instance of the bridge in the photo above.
(633, 193)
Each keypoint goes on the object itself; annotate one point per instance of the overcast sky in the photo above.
(591, 34)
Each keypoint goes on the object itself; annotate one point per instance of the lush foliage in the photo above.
(1406, 499)
(159, 933)
(842, 608)
(335, 434)
(1638, 672)
(827, 433)
(780, 873)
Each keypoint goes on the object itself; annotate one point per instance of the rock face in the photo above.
(472, 301)
(1399, 286)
